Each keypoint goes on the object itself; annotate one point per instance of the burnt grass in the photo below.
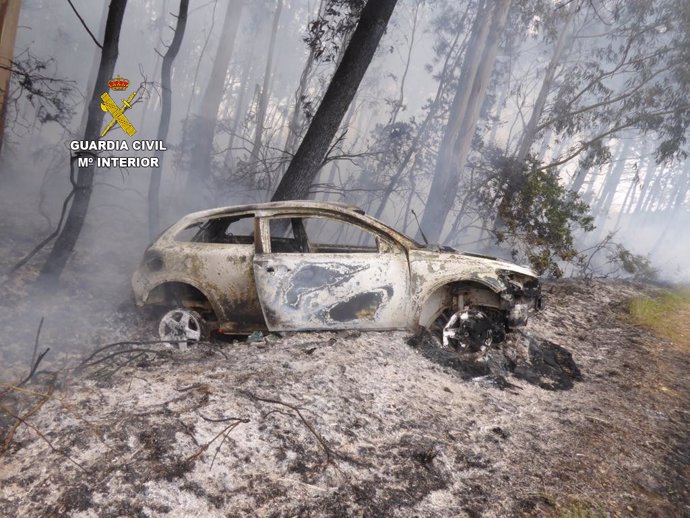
(579, 414)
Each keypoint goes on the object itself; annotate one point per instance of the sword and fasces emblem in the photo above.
(110, 106)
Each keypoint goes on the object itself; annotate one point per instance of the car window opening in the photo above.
(237, 230)
(319, 235)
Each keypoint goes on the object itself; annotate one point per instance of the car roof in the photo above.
(285, 207)
(277, 206)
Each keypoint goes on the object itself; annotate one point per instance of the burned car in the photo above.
(306, 265)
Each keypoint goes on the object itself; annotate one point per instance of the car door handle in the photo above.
(270, 269)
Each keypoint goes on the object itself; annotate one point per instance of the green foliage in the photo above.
(534, 213)
(638, 266)
(620, 262)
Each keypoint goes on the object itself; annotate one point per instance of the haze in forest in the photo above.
(550, 133)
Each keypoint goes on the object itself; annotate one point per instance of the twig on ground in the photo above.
(118, 353)
(10, 435)
(38, 335)
(326, 448)
(68, 407)
(40, 434)
(35, 362)
(225, 432)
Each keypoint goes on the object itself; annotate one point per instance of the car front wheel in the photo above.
(470, 329)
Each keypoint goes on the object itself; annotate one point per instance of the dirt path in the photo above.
(584, 415)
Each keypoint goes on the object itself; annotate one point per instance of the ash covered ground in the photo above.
(581, 413)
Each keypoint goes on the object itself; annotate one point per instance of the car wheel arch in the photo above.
(184, 293)
(440, 297)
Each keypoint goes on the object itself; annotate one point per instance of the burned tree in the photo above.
(164, 125)
(309, 157)
(9, 16)
(83, 184)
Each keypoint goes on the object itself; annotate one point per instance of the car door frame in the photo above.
(350, 290)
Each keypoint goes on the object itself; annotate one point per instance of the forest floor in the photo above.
(581, 415)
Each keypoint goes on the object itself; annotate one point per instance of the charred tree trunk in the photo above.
(266, 87)
(205, 125)
(164, 124)
(95, 62)
(9, 16)
(309, 157)
(469, 97)
(64, 244)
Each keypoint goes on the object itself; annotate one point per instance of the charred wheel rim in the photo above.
(468, 329)
(181, 327)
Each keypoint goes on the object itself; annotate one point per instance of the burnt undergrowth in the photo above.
(579, 412)
(539, 362)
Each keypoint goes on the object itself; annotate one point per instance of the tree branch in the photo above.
(84, 24)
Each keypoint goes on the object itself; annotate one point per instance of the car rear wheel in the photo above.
(182, 327)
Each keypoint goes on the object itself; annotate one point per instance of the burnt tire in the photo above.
(468, 330)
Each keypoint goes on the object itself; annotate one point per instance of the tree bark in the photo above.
(9, 17)
(309, 157)
(95, 62)
(164, 124)
(469, 97)
(205, 125)
(64, 244)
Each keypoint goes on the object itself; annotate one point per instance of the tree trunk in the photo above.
(266, 87)
(309, 157)
(295, 126)
(530, 131)
(469, 97)
(400, 101)
(64, 244)
(421, 135)
(675, 207)
(612, 182)
(240, 111)
(9, 16)
(164, 124)
(205, 125)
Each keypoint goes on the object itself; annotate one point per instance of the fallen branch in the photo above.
(34, 362)
(66, 406)
(40, 434)
(326, 448)
(226, 431)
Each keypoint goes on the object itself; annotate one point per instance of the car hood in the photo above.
(485, 262)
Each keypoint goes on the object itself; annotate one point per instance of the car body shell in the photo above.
(246, 286)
